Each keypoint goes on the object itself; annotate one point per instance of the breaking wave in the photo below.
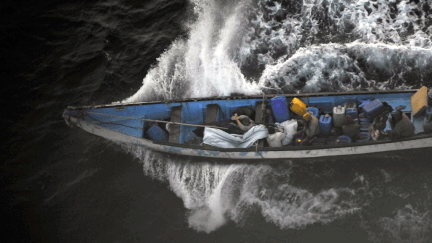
(214, 194)
(289, 46)
(253, 47)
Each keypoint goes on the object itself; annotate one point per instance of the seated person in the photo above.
(244, 122)
(310, 130)
(376, 129)
(351, 128)
(275, 137)
(427, 127)
(401, 125)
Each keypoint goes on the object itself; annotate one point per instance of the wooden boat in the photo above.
(130, 124)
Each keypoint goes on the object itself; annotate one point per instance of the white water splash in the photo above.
(296, 46)
(292, 43)
(203, 65)
(215, 194)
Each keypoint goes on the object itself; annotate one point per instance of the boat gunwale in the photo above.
(243, 97)
(293, 148)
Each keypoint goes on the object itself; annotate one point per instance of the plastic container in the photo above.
(319, 141)
(364, 126)
(325, 124)
(280, 109)
(338, 116)
(343, 140)
(351, 109)
(363, 103)
(363, 137)
(373, 109)
(313, 110)
(156, 133)
(362, 118)
(297, 106)
(331, 140)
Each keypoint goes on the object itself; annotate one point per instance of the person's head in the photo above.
(348, 120)
(397, 116)
(245, 121)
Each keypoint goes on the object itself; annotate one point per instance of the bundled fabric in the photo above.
(218, 138)
(290, 128)
(275, 139)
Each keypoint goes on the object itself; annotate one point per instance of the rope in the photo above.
(151, 120)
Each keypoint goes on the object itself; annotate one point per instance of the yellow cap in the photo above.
(306, 115)
(299, 140)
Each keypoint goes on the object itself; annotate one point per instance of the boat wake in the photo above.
(214, 194)
(254, 47)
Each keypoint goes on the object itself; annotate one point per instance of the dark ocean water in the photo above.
(61, 184)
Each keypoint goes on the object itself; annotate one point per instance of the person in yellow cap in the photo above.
(310, 131)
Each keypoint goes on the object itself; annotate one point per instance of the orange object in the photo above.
(297, 106)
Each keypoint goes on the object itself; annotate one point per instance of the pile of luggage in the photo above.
(353, 121)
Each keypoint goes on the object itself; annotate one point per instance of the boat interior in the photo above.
(128, 119)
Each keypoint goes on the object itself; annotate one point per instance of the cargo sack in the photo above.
(297, 106)
(290, 128)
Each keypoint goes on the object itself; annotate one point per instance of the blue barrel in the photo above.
(280, 109)
(364, 126)
(373, 109)
(363, 137)
(325, 124)
(313, 110)
(319, 141)
(156, 133)
(343, 139)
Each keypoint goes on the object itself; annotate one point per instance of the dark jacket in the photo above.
(427, 127)
(403, 128)
(351, 128)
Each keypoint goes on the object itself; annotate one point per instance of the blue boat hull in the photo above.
(124, 123)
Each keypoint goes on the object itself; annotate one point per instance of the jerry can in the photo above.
(351, 109)
(325, 124)
(297, 106)
(338, 116)
(313, 110)
(280, 109)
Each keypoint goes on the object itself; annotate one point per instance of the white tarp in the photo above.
(290, 129)
(218, 138)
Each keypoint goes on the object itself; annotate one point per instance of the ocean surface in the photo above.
(61, 184)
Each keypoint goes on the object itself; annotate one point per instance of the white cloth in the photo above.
(290, 129)
(275, 139)
(218, 138)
